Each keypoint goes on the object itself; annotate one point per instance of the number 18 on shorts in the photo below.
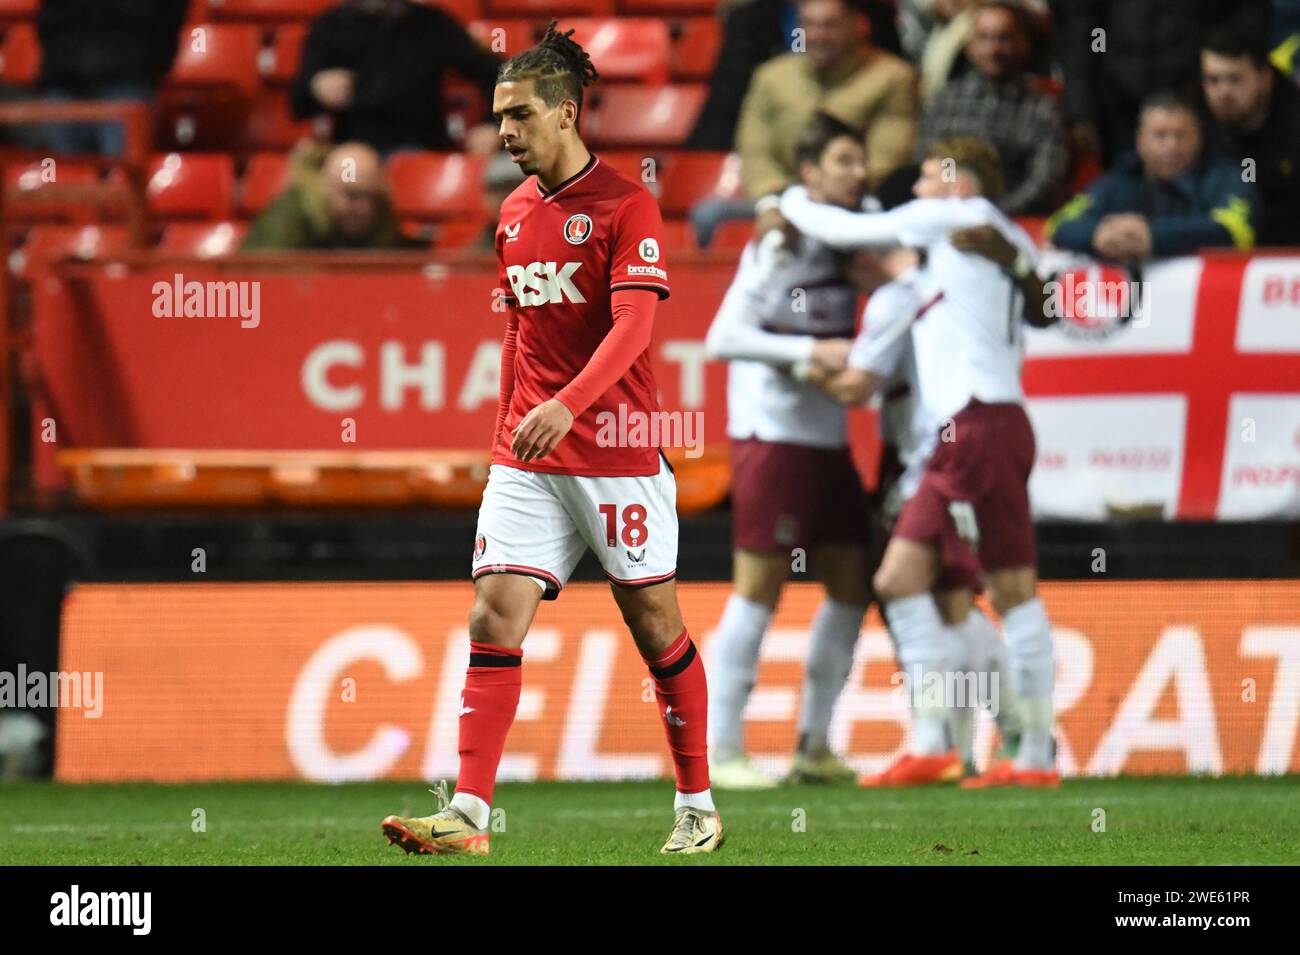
(538, 524)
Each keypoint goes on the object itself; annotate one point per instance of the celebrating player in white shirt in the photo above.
(974, 490)
(794, 488)
(882, 362)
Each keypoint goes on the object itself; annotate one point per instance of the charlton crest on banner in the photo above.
(1096, 301)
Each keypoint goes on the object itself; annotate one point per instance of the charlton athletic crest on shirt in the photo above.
(577, 229)
(480, 545)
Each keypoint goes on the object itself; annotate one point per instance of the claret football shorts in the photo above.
(538, 525)
(974, 494)
(791, 495)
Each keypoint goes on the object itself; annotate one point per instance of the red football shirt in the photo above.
(561, 254)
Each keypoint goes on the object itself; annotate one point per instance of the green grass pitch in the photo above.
(1167, 821)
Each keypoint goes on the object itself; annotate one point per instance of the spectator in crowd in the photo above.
(917, 21)
(1167, 199)
(1255, 123)
(753, 32)
(338, 200)
(934, 35)
(998, 101)
(840, 73)
(377, 67)
(1113, 52)
(105, 50)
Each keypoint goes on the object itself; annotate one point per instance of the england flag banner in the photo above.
(1172, 391)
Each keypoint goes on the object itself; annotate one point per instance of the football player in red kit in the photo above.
(581, 270)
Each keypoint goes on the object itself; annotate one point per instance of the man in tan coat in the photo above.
(838, 71)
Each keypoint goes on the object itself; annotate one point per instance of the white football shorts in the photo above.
(539, 524)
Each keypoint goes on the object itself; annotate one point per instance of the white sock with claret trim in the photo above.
(734, 654)
(835, 630)
(1033, 677)
(917, 626)
(960, 667)
(990, 657)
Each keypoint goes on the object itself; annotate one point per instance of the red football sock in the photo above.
(487, 708)
(683, 695)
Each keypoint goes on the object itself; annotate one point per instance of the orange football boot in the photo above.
(912, 770)
(1004, 773)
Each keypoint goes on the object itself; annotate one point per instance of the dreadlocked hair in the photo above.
(559, 67)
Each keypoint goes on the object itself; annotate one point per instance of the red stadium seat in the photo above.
(689, 177)
(548, 9)
(217, 56)
(643, 7)
(20, 55)
(191, 186)
(32, 191)
(625, 49)
(277, 62)
(429, 186)
(19, 9)
(199, 123)
(645, 115)
(459, 233)
(48, 243)
(261, 9)
(515, 36)
(732, 236)
(206, 99)
(678, 237)
(272, 126)
(636, 164)
(266, 176)
(729, 238)
(695, 47)
(203, 240)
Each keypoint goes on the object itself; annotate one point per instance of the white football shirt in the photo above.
(884, 348)
(968, 343)
(779, 303)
